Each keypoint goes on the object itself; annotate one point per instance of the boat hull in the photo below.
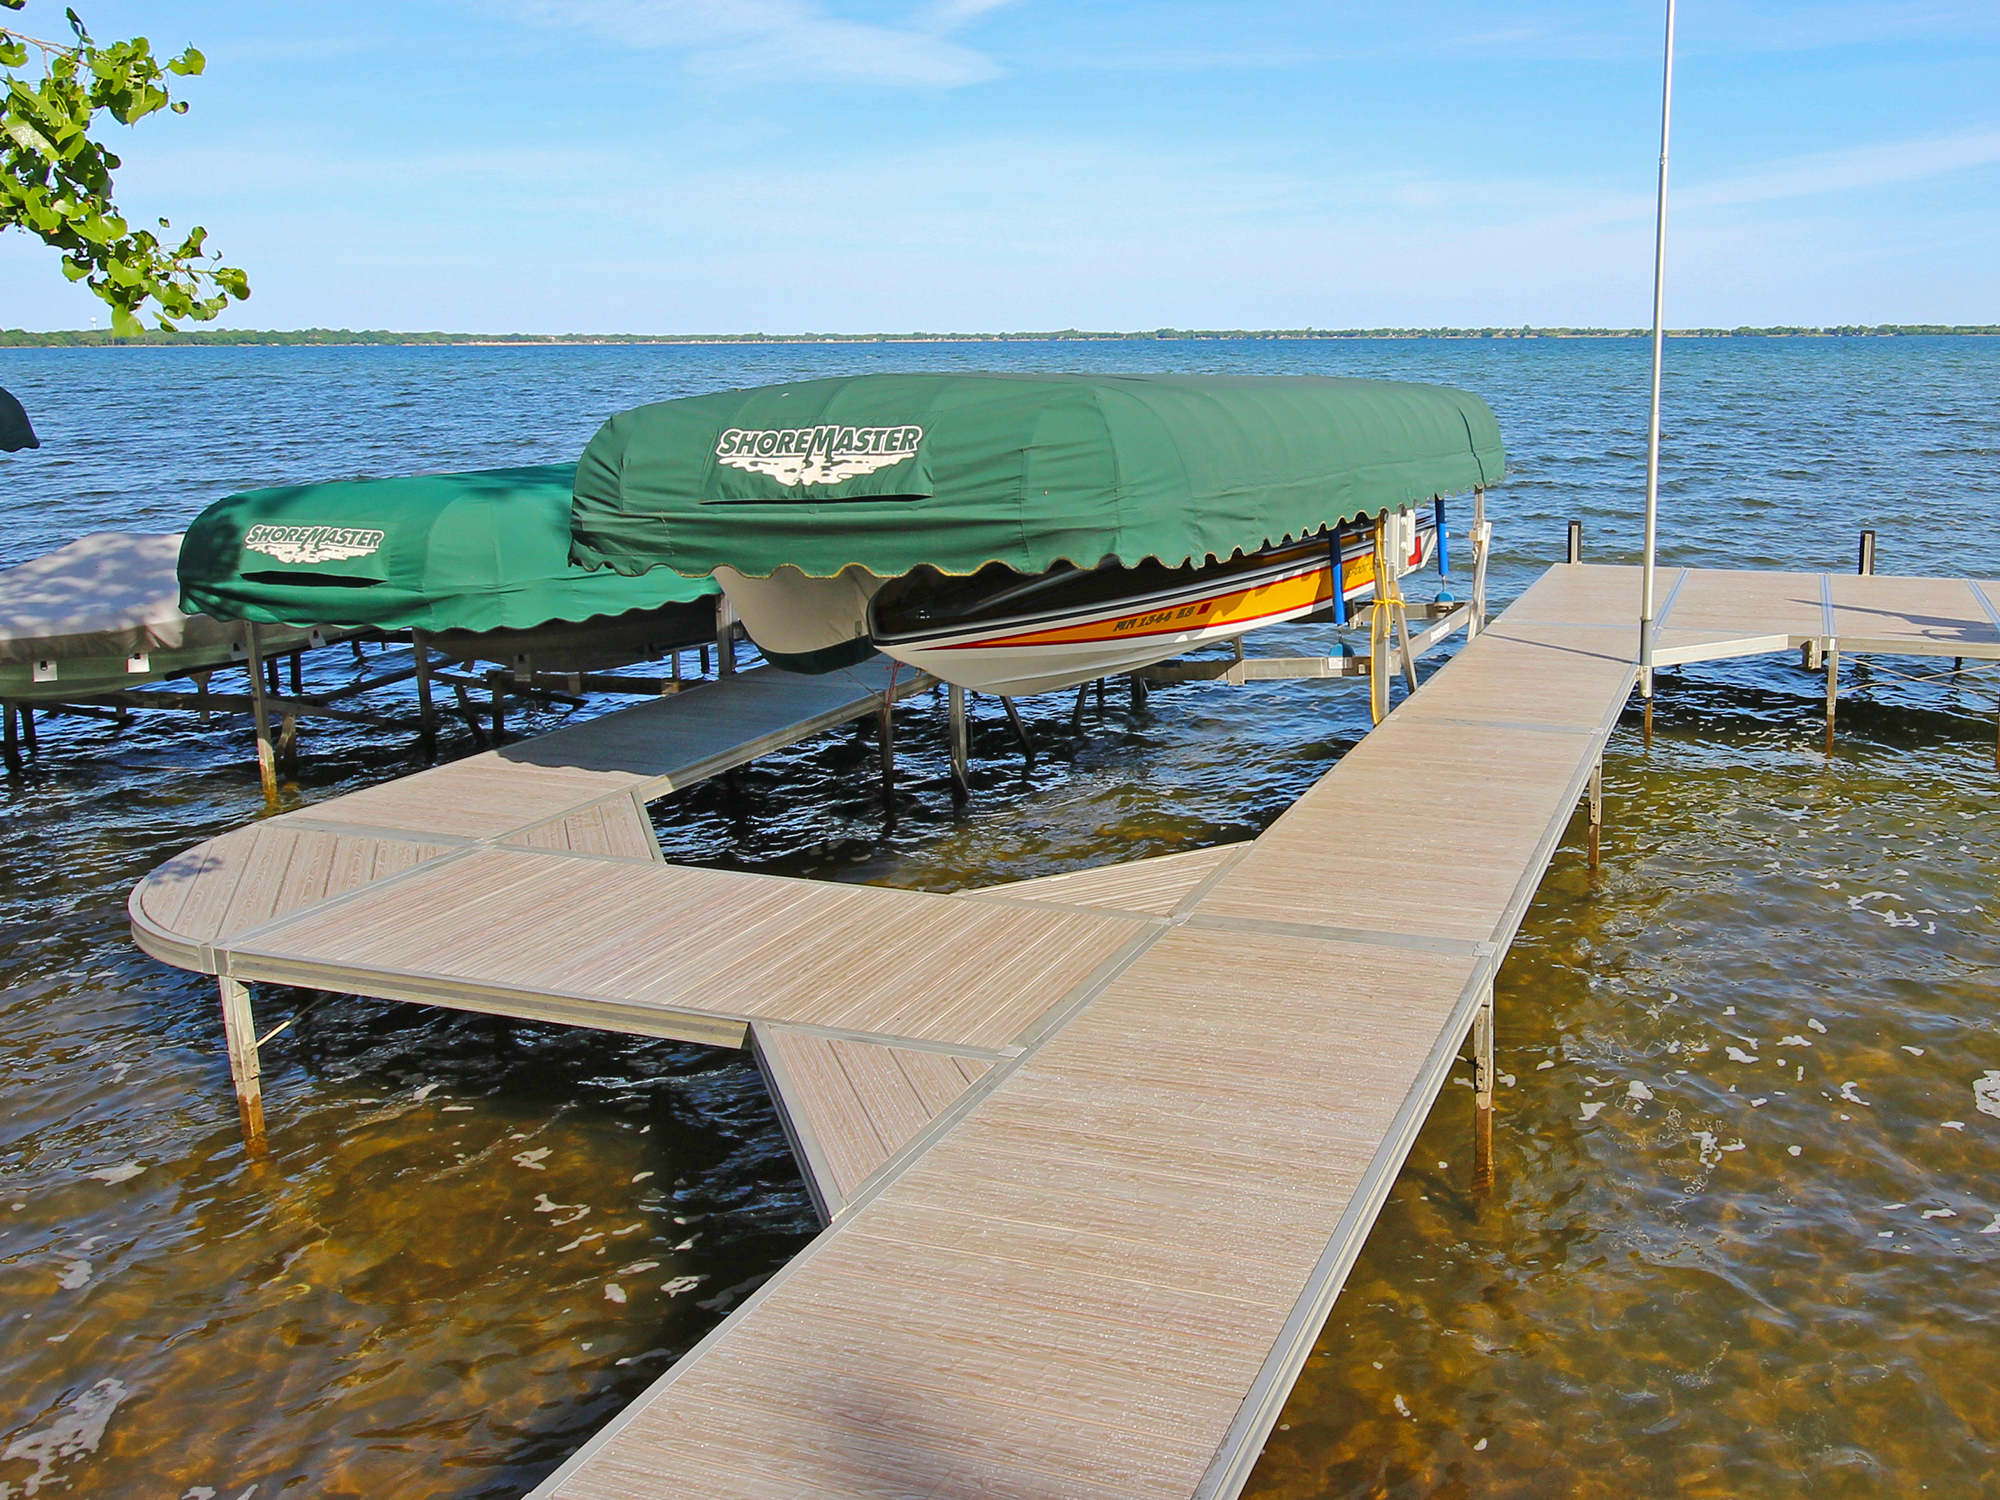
(1039, 654)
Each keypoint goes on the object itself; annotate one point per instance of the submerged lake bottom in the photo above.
(1741, 1240)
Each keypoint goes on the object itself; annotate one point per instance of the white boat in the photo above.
(1002, 632)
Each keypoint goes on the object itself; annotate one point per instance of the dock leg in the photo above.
(240, 1028)
(426, 709)
(260, 715)
(1832, 689)
(1809, 656)
(1482, 1095)
(1597, 814)
(201, 694)
(27, 713)
(1138, 692)
(298, 673)
(1020, 729)
(961, 770)
(497, 680)
(1076, 714)
(288, 744)
(13, 746)
(1406, 658)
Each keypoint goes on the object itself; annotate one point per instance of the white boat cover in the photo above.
(109, 594)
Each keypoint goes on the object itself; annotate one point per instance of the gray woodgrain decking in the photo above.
(1098, 1149)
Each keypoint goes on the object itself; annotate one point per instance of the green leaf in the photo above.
(28, 138)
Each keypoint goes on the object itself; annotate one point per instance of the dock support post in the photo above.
(1481, 542)
(1482, 1093)
(298, 674)
(1083, 693)
(27, 713)
(496, 679)
(426, 709)
(1864, 562)
(961, 770)
(287, 747)
(1138, 691)
(1020, 729)
(1832, 688)
(1597, 813)
(260, 714)
(13, 747)
(1575, 543)
(240, 1029)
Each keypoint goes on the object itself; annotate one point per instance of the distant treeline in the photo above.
(16, 338)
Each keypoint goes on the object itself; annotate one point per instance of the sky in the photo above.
(715, 166)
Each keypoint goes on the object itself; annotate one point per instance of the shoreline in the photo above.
(324, 338)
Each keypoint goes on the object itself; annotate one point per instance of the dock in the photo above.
(1096, 1151)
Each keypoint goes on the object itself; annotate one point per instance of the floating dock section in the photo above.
(1097, 1151)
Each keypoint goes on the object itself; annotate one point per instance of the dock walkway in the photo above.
(1097, 1150)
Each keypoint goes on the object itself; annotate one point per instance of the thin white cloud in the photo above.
(799, 41)
(1845, 170)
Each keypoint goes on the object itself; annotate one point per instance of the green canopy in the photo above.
(892, 471)
(480, 551)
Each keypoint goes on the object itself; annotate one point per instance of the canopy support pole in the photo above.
(1646, 580)
(961, 770)
(260, 714)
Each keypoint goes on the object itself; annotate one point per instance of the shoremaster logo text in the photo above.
(817, 455)
(311, 544)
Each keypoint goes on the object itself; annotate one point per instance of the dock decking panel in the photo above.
(251, 875)
(891, 963)
(849, 1106)
(647, 750)
(1930, 615)
(1149, 887)
(617, 826)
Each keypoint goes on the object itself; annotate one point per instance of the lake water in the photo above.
(1698, 1275)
